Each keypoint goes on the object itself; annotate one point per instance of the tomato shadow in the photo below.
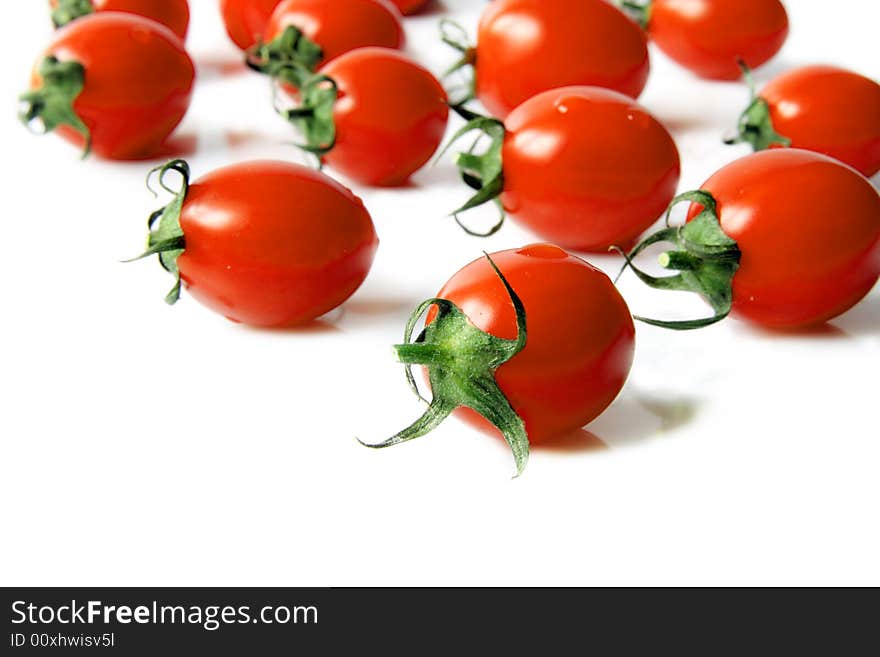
(822, 331)
(577, 441)
(380, 306)
(637, 417)
(864, 319)
(220, 66)
(325, 325)
(433, 8)
(182, 145)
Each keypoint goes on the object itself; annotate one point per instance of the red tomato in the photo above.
(173, 14)
(246, 20)
(525, 47)
(828, 110)
(708, 37)
(408, 7)
(586, 168)
(390, 116)
(808, 228)
(138, 82)
(339, 26)
(273, 244)
(580, 336)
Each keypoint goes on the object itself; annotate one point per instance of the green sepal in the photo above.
(290, 58)
(454, 35)
(638, 10)
(484, 172)
(69, 10)
(705, 257)
(166, 237)
(52, 103)
(755, 125)
(313, 117)
(461, 361)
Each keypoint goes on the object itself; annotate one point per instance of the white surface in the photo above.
(150, 445)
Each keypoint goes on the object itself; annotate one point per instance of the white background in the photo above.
(150, 445)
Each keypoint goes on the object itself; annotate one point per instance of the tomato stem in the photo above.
(638, 10)
(457, 37)
(166, 238)
(291, 57)
(481, 172)
(755, 125)
(51, 105)
(314, 116)
(66, 11)
(461, 361)
(705, 258)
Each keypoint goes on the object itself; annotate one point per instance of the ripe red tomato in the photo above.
(708, 37)
(809, 232)
(246, 20)
(408, 7)
(135, 77)
(525, 47)
(580, 343)
(828, 110)
(389, 118)
(338, 26)
(268, 244)
(173, 14)
(784, 238)
(584, 167)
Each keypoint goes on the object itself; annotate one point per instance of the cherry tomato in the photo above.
(525, 47)
(246, 20)
(408, 7)
(808, 228)
(390, 116)
(584, 167)
(580, 343)
(138, 80)
(828, 110)
(708, 37)
(173, 14)
(338, 26)
(270, 244)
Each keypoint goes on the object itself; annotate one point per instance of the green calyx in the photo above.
(52, 104)
(313, 117)
(166, 236)
(481, 172)
(455, 36)
(705, 258)
(290, 58)
(755, 125)
(69, 10)
(461, 361)
(638, 10)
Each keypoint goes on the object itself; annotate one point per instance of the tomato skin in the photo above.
(709, 36)
(581, 337)
(587, 168)
(339, 26)
(808, 228)
(390, 117)
(828, 110)
(409, 7)
(246, 20)
(139, 82)
(274, 244)
(173, 14)
(525, 47)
